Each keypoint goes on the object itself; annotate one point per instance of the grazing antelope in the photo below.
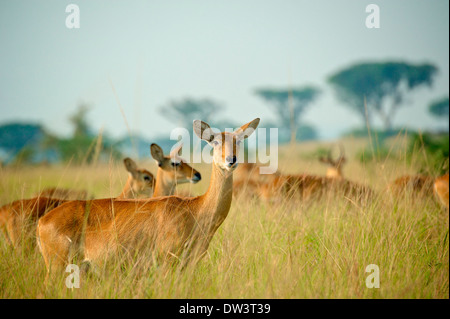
(247, 171)
(248, 180)
(172, 170)
(170, 227)
(19, 218)
(292, 186)
(334, 169)
(441, 189)
(303, 186)
(419, 185)
(63, 193)
(308, 187)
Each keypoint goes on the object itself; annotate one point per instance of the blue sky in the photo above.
(156, 51)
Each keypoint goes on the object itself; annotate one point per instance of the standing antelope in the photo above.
(18, 219)
(169, 227)
(441, 189)
(172, 170)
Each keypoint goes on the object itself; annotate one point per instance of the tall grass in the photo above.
(285, 249)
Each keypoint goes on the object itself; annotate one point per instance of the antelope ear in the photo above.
(247, 129)
(157, 153)
(176, 151)
(203, 131)
(130, 165)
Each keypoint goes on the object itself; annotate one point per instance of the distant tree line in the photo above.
(32, 143)
(372, 89)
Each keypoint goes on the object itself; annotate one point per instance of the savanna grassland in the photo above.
(282, 249)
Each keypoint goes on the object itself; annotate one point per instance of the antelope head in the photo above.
(226, 144)
(141, 181)
(335, 166)
(174, 167)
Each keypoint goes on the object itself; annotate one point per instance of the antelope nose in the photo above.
(197, 177)
(231, 160)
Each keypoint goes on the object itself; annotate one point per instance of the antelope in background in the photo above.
(418, 185)
(170, 227)
(172, 170)
(63, 193)
(334, 169)
(305, 186)
(441, 189)
(140, 182)
(19, 218)
(248, 180)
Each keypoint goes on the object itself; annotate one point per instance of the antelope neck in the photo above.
(216, 202)
(165, 186)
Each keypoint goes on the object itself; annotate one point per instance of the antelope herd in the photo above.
(148, 215)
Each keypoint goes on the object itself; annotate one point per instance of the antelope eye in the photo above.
(147, 178)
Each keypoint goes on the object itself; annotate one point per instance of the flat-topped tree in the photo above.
(289, 104)
(188, 109)
(384, 85)
(439, 108)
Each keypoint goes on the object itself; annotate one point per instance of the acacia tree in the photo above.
(84, 145)
(439, 108)
(384, 86)
(289, 105)
(187, 110)
(79, 121)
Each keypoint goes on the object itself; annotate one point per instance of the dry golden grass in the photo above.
(288, 249)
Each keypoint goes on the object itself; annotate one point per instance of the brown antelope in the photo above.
(292, 186)
(172, 170)
(418, 185)
(140, 182)
(247, 171)
(169, 227)
(303, 186)
(248, 180)
(334, 169)
(441, 189)
(18, 218)
(308, 187)
(63, 193)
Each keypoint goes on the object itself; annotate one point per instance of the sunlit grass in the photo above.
(279, 250)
